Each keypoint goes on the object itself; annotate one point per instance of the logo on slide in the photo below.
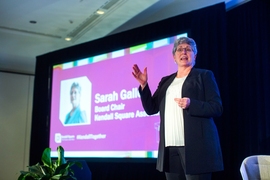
(57, 138)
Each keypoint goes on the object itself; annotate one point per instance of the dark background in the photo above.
(233, 44)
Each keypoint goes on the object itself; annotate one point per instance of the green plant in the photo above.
(49, 170)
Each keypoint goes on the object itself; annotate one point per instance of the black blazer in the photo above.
(202, 147)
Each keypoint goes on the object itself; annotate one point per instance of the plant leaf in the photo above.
(26, 177)
(49, 170)
(61, 157)
(57, 176)
(62, 169)
(46, 157)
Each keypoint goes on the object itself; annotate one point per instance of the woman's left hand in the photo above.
(182, 102)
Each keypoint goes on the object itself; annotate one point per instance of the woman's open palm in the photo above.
(141, 77)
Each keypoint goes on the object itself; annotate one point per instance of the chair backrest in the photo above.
(256, 167)
(84, 173)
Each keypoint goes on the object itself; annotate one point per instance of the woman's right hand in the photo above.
(141, 77)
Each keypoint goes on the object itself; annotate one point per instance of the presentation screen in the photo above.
(96, 109)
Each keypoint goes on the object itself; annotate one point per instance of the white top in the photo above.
(174, 121)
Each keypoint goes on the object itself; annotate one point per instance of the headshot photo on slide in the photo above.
(75, 101)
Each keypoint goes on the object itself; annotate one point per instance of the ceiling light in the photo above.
(100, 12)
(68, 39)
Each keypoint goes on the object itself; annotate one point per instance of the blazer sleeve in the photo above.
(149, 102)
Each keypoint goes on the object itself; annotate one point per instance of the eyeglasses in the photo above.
(187, 49)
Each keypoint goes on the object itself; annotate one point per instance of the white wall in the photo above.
(16, 94)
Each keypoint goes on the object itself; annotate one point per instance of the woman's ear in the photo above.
(174, 59)
(173, 56)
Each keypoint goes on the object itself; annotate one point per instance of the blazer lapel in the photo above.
(166, 84)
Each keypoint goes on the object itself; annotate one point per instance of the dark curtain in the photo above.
(248, 37)
(209, 32)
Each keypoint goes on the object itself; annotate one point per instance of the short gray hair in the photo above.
(185, 40)
(75, 85)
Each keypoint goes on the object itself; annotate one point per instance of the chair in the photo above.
(256, 167)
(82, 174)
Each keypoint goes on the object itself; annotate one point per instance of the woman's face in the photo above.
(74, 97)
(184, 56)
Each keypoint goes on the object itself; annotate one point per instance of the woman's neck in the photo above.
(183, 71)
